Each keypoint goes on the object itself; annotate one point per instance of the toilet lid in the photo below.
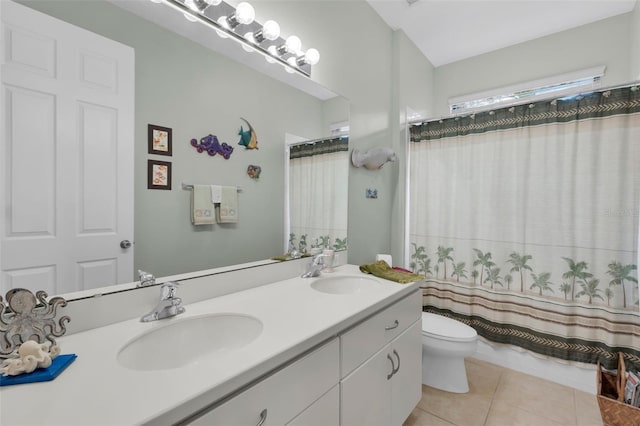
(441, 327)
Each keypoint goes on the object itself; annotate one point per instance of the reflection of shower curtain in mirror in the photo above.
(318, 194)
(525, 222)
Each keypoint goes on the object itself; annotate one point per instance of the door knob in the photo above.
(125, 244)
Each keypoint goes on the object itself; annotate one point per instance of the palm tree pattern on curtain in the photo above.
(577, 272)
(567, 287)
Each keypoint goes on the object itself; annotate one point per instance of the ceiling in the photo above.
(451, 30)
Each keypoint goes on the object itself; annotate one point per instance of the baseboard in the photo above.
(581, 377)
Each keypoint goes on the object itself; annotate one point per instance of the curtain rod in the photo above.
(523, 102)
(312, 141)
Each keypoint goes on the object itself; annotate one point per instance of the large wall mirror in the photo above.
(186, 87)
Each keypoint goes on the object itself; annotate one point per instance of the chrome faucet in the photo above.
(169, 305)
(146, 278)
(315, 266)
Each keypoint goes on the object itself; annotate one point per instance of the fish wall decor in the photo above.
(373, 158)
(248, 138)
(254, 171)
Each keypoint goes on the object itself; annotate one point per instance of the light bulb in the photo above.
(245, 14)
(213, 2)
(274, 52)
(271, 30)
(190, 17)
(249, 37)
(293, 62)
(222, 21)
(293, 44)
(312, 56)
(194, 5)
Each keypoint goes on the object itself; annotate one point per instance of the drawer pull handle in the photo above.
(391, 327)
(393, 367)
(397, 356)
(263, 417)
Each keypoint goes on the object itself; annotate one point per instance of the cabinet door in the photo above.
(366, 393)
(365, 339)
(406, 383)
(323, 412)
(281, 396)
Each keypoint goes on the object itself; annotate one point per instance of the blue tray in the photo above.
(41, 374)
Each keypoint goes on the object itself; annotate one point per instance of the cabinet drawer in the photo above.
(323, 412)
(282, 395)
(365, 339)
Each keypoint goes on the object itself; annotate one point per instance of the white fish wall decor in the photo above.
(373, 158)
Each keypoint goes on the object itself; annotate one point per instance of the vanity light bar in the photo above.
(275, 51)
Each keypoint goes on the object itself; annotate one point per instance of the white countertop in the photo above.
(97, 390)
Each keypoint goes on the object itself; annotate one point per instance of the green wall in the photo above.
(414, 89)
(634, 51)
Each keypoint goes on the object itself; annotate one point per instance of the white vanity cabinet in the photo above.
(381, 371)
(323, 412)
(300, 393)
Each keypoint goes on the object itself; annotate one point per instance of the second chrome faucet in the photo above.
(169, 306)
(315, 266)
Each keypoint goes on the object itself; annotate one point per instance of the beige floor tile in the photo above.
(587, 409)
(483, 377)
(486, 367)
(556, 402)
(467, 409)
(421, 418)
(503, 397)
(504, 414)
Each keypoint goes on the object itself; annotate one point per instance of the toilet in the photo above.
(445, 344)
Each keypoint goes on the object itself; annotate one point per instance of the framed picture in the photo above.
(159, 139)
(158, 174)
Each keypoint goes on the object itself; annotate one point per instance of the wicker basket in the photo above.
(611, 396)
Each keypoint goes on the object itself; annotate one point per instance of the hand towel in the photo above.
(227, 211)
(202, 212)
(216, 193)
(382, 269)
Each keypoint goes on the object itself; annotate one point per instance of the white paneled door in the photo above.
(66, 157)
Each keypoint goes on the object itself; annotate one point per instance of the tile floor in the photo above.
(502, 397)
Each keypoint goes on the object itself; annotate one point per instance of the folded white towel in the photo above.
(227, 211)
(202, 209)
(216, 193)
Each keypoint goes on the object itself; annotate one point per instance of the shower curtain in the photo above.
(525, 222)
(318, 186)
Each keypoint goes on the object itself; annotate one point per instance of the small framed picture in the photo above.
(158, 174)
(159, 139)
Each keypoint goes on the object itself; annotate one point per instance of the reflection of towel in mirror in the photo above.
(227, 211)
(201, 205)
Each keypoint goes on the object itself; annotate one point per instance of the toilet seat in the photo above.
(443, 328)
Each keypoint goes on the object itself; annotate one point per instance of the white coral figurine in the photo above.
(372, 159)
(30, 355)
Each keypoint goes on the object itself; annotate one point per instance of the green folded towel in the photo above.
(382, 269)
(281, 258)
(287, 256)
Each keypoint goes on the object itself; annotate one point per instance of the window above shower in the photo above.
(557, 86)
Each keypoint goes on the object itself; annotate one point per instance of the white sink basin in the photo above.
(189, 340)
(345, 285)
